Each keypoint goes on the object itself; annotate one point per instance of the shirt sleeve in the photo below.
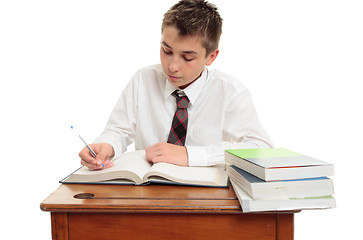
(120, 128)
(241, 129)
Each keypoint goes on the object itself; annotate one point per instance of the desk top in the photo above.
(151, 198)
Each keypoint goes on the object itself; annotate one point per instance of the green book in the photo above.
(263, 152)
(275, 164)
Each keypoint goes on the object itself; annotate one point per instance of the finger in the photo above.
(149, 150)
(103, 157)
(147, 155)
(86, 156)
(158, 159)
(108, 164)
(153, 153)
(154, 150)
(91, 166)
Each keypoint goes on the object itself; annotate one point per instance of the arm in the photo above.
(118, 133)
(120, 128)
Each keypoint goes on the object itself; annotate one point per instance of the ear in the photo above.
(212, 56)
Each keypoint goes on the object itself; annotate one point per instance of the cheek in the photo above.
(161, 55)
(195, 70)
(163, 60)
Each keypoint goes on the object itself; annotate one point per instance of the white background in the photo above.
(66, 62)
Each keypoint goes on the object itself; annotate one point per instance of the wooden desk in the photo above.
(158, 212)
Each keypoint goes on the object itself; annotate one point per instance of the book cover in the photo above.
(276, 157)
(271, 164)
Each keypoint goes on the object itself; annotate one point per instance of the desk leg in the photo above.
(59, 225)
(285, 226)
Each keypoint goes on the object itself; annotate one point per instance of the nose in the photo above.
(174, 65)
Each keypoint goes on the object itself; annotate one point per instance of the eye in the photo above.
(167, 52)
(188, 59)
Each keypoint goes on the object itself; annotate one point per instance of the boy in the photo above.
(180, 112)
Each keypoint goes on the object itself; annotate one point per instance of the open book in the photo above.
(133, 168)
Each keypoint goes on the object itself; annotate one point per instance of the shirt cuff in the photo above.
(198, 156)
(116, 147)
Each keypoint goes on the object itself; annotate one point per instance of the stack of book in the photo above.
(277, 179)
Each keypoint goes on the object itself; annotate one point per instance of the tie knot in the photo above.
(181, 101)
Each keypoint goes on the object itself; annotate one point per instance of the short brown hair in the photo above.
(196, 18)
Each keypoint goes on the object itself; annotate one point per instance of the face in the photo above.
(183, 57)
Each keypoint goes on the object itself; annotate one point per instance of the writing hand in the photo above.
(104, 152)
(166, 152)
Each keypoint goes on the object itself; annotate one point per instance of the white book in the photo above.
(264, 205)
(133, 168)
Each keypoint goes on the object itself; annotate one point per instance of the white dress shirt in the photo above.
(221, 116)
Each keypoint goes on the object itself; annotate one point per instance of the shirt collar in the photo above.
(192, 91)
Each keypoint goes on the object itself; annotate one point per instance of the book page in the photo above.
(132, 161)
(213, 176)
(131, 165)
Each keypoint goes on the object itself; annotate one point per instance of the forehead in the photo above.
(171, 38)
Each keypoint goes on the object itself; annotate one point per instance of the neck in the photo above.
(186, 85)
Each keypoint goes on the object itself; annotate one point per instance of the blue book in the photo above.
(257, 188)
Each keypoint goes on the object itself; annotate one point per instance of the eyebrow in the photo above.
(186, 52)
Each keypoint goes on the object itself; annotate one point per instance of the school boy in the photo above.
(215, 111)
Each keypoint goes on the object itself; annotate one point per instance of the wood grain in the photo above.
(80, 211)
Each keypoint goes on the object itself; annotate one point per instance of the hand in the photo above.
(104, 152)
(166, 152)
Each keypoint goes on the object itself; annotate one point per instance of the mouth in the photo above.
(171, 77)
